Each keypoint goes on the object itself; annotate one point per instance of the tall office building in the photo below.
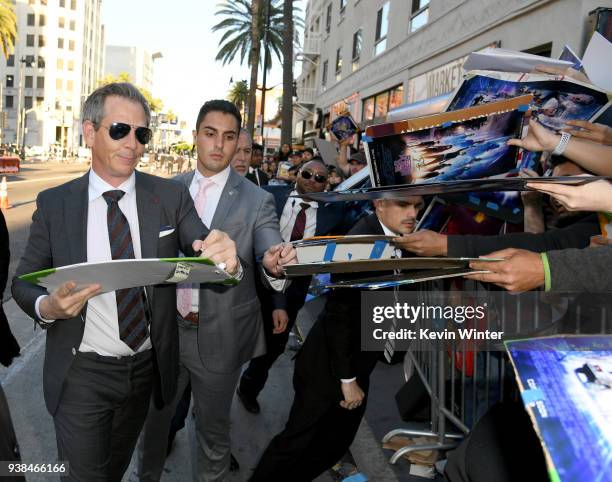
(370, 57)
(135, 61)
(57, 62)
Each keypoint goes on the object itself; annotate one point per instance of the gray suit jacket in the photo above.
(230, 332)
(58, 237)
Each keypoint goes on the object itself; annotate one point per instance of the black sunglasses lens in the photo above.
(143, 135)
(118, 130)
(317, 177)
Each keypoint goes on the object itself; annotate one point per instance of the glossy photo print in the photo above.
(469, 149)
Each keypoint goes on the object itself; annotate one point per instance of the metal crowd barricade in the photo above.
(462, 391)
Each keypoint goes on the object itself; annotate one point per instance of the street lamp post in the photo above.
(28, 60)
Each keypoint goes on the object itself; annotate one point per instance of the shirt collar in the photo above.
(98, 186)
(312, 204)
(220, 179)
(251, 170)
(387, 231)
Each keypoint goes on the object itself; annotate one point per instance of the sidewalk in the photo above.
(250, 433)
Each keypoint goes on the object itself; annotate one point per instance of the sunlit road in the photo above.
(22, 191)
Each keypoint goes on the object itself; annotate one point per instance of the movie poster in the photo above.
(554, 103)
(566, 386)
(469, 149)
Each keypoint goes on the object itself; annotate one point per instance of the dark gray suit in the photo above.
(58, 237)
(230, 333)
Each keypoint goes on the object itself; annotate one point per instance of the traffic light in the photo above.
(3, 119)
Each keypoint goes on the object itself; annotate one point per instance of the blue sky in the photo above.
(188, 74)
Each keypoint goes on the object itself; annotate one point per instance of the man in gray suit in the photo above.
(221, 328)
(105, 354)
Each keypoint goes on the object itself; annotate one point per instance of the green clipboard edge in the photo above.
(35, 277)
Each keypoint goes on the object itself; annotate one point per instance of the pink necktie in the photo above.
(184, 292)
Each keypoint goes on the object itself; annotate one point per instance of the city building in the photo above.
(368, 57)
(135, 61)
(57, 62)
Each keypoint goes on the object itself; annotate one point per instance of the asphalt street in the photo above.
(22, 382)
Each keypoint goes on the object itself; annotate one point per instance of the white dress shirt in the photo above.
(101, 333)
(101, 326)
(290, 212)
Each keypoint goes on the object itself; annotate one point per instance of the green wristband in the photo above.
(547, 280)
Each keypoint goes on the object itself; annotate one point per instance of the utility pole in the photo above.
(265, 71)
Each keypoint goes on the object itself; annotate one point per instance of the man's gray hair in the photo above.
(93, 108)
(246, 133)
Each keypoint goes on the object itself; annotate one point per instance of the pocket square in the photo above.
(165, 231)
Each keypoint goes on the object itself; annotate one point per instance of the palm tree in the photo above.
(287, 104)
(8, 26)
(242, 38)
(239, 94)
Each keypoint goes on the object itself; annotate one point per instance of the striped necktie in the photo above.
(130, 304)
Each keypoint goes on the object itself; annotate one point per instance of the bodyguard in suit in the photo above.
(219, 328)
(106, 353)
(298, 219)
(332, 374)
(255, 173)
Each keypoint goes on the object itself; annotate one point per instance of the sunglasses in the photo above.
(118, 130)
(320, 178)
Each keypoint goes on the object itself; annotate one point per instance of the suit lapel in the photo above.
(149, 211)
(187, 178)
(75, 217)
(228, 196)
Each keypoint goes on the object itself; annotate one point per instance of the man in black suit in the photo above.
(106, 353)
(298, 220)
(331, 377)
(255, 173)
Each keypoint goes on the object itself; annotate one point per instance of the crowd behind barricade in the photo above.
(130, 363)
(282, 167)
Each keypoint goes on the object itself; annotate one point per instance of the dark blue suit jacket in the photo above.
(330, 216)
(331, 220)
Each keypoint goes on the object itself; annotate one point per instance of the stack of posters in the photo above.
(464, 144)
(556, 99)
(510, 61)
(566, 387)
(344, 248)
(420, 267)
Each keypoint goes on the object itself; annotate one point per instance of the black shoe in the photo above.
(234, 465)
(251, 404)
